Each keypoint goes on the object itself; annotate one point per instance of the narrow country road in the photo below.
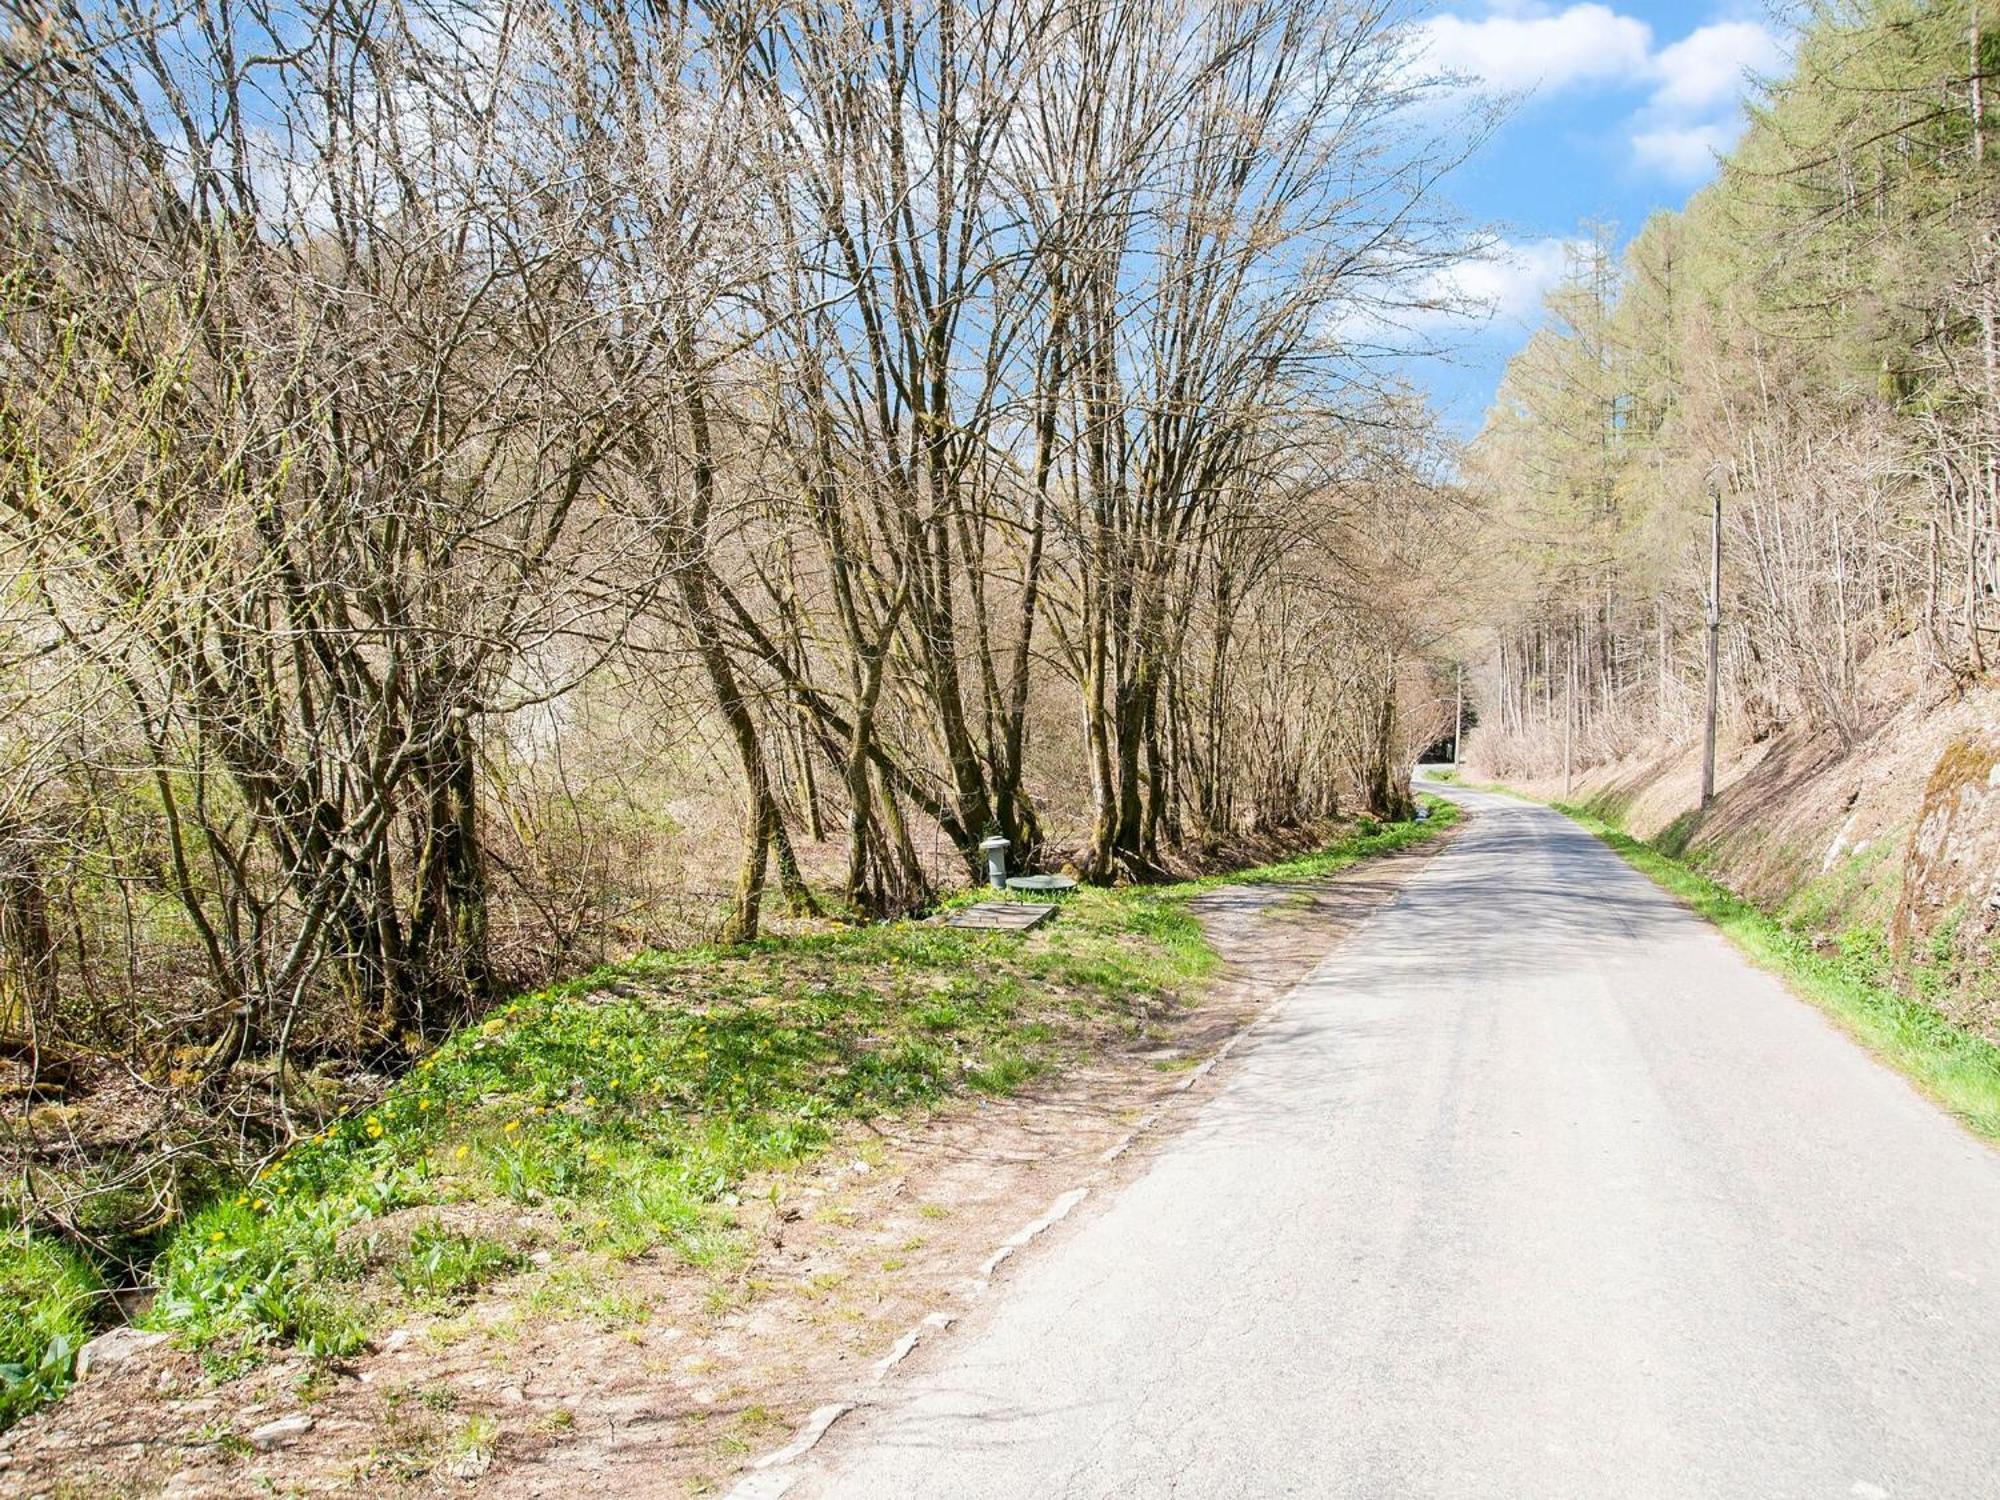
(1535, 1189)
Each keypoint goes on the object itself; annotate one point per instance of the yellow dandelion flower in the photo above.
(512, 1126)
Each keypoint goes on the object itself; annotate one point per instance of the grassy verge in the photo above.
(629, 1110)
(1848, 978)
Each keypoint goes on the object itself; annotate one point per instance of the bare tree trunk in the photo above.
(28, 982)
(691, 576)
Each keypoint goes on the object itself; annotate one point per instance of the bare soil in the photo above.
(586, 1375)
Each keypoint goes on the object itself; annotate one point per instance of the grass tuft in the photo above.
(443, 1263)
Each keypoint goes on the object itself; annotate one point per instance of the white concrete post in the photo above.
(995, 850)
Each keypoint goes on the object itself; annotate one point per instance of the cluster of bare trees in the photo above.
(1043, 368)
(420, 422)
(1815, 341)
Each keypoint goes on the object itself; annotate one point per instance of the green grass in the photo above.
(630, 1107)
(1860, 889)
(441, 1263)
(47, 1296)
(1496, 788)
(1850, 980)
(631, 1104)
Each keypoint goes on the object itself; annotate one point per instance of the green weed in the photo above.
(443, 1263)
(477, 1438)
(47, 1296)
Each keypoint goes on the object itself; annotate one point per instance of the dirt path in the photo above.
(644, 1378)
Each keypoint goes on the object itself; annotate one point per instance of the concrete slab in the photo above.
(1001, 916)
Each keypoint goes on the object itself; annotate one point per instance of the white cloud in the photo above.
(1685, 152)
(1512, 50)
(1508, 281)
(1706, 69)
(1695, 112)
(1497, 287)
(1694, 86)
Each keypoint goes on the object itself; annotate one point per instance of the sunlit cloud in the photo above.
(1496, 288)
(1693, 86)
(1685, 152)
(1584, 44)
(1706, 69)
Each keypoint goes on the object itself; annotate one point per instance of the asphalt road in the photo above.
(1535, 1189)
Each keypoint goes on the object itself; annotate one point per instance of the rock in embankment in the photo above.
(1950, 907)
(114, 1348)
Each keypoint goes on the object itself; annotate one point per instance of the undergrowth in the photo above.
(627, 1109)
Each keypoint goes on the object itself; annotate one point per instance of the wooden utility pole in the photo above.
(1569, 720)
(1458, 722)
(1714, 638)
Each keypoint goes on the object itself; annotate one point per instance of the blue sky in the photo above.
(1622, 106)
